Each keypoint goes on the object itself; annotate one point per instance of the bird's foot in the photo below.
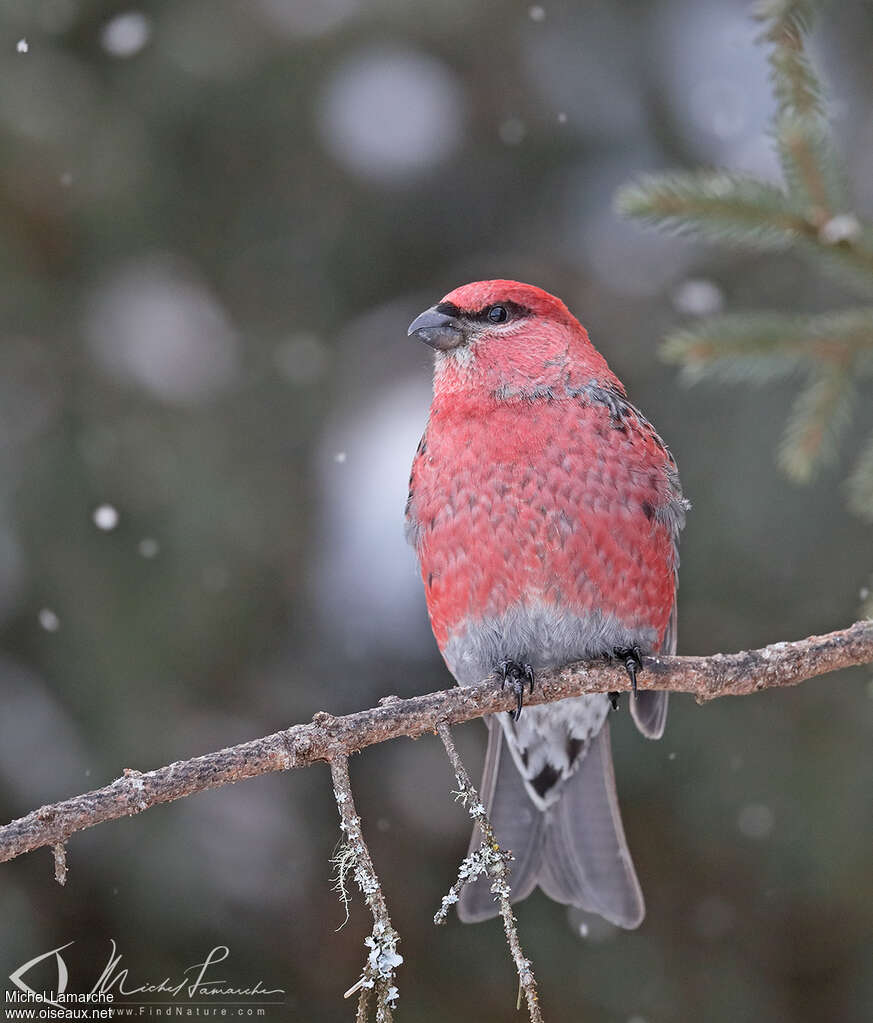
(632, 660)
(517, 675)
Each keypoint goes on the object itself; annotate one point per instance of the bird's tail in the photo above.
(575, 850)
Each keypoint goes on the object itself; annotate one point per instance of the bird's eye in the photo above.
(498, 314)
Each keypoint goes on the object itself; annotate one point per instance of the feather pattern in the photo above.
(545, 511)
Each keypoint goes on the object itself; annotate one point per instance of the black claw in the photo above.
(613, 699)
(517, 675)
(631, 666)
(633, 662)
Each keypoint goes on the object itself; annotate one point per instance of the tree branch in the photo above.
(781, 664)
(489, 859)
(378, 975)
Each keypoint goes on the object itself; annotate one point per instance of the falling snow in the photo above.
(105, 517)
(49, 620)
(126, 34)
(148, 547)
(537, 13)
(22, 46)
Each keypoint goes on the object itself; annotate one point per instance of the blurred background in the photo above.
(216, 221)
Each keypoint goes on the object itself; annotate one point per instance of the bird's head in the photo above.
(508, 340)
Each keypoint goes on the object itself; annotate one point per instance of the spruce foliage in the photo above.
(811, 214)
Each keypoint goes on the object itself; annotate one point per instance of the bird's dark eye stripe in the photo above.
(513, 309)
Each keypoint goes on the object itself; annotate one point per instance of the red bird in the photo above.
(545, 512)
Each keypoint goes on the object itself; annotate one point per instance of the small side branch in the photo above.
(378, 976)
(781, 664)
(59, 852)
(494, 861)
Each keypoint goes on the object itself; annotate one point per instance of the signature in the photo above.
(115, 980)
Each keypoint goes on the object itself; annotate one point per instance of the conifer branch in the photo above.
(811, 216)
(760, 347)
(820, 416)
(843, 248)
(782, 664)
(802, 132)
(811, 168)
(731, 208)
(794, 81)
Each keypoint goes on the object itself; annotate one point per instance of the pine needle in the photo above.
(820, 416)
(813, 171)
(730, 208)
(795, 84)
(760, 347)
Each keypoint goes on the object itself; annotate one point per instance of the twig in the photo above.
(490, 859)
(363, 1013)
(378, 975)
(782, 664)
(59, 851)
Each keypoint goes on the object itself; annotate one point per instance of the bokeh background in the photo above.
(216, 221)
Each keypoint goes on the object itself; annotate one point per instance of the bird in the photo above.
(545, 512)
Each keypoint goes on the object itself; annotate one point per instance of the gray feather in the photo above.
(576, 850)
(585, 858)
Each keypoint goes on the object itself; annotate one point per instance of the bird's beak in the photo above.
(437, 329)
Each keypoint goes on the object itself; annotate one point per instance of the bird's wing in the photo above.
(413, 528)
(649, 709)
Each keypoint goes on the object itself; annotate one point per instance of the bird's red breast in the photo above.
(537, 485)
(554, 501)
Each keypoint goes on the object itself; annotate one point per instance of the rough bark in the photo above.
(781, 664)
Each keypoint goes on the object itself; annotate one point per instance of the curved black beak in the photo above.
(437, 329)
